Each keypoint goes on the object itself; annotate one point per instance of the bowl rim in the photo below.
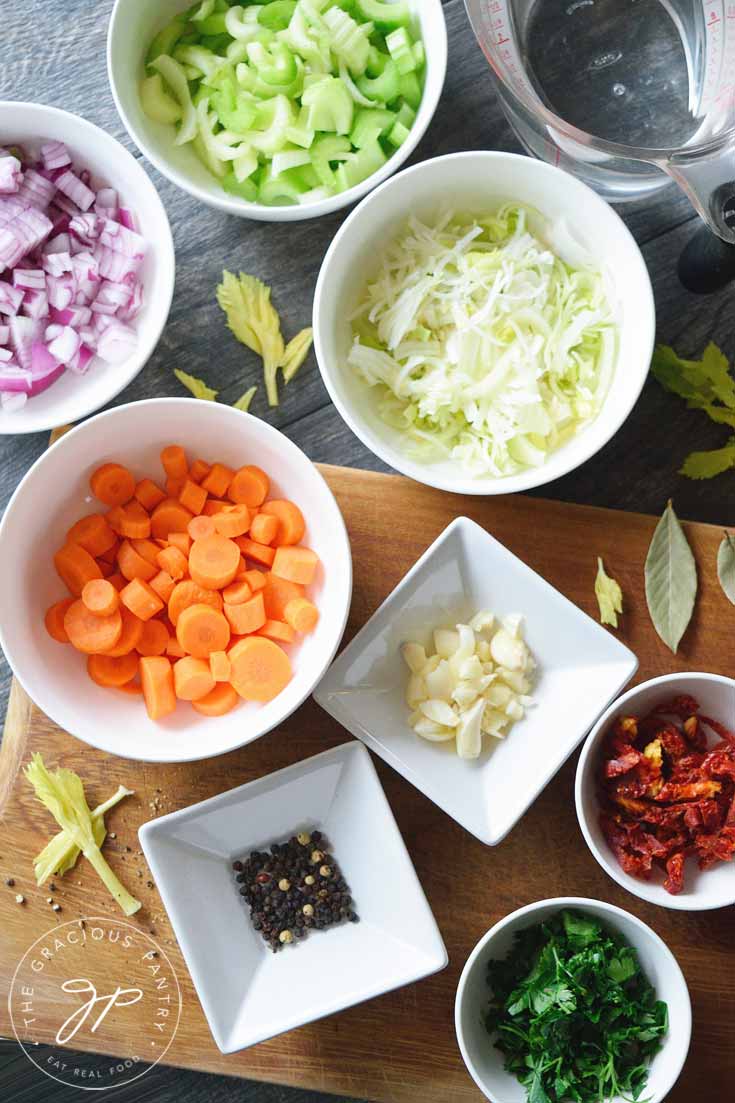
(165, 259)
(532, 477)
(35, 682)
(594, 905)
(695, 902)
(436, 56)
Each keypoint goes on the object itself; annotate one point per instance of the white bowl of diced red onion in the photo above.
(86, 267)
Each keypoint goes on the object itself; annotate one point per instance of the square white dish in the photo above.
(581, 668)
(247, 992)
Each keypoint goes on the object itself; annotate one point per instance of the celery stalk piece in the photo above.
(60, 853)
(175, 78)
(204, 60)
(296, 352)
(277, 15)
(357, 96)
(349, 41)
(384, 88)
(330, 147)
(358, 166)
(197, 386)
(156, 102)
(330, 106)
(254, 321)
(409, 86)
(275, 64)
(242, 23)
(204, 10)
(386, 16)
(243, 402)
(62, 793)
(166, 40)
(400, 47)
(245, 189)
(398, 134)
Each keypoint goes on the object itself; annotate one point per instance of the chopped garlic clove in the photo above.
(469, 732)
(446, 642)
(434, 733)
(499, 695)
(440, 712)
(470, 668)
(508, 651)
(483, 651)
(514, 710)
(439, 682)
(415, 657)
(512, 624)
(493, 722)
(464, 695)
(416, 691)
(482, 621)
(515, 679)
(467, 642)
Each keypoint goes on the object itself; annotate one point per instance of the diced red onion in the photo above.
(65, 345)
(66, 206)
(75, 189)
(57, 263)
(11, 175)
(15, 378)
(55, 155)
(60, 290)
(35, 304)
(127, 218)
(127, 313)
(87, 227)
(81, 361)
(61, 243)
(4, 335)
(29, 279)
(75, 316)
(5, 356)
(88, 336)
(115, 266)
(23, 333)
(36, 189)
(12, 401)
(117, 343)
(117, 237)
(10, 299)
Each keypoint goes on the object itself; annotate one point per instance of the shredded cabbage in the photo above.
(488, 348)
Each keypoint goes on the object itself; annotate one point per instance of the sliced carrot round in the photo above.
(188, 593)
(100, 597)
(108, 671)
(277, 594)
(201, 630)
(214, 562)
(201, 526)
(264, 528)
(295, 564)
(277, 630)
(174, 462)
(146, 549)
(54, 620)
(75, 566)
(231, 522)
(93, 534)
(237, 592)
(90, 633)
(301, 614)
(192, 678)
(134, 688)
(154, 638)
(173, 561)
(260, 669)
(132, 630)
(170, 516)
(219, 701)
(157, 680)
(291, 524)
(133, 565)
(112, 484)
(250, 485)
(148, 494)
(134, 522)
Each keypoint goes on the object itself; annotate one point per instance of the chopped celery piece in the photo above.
(201, 93)
(289, 159)
(306, 177)
(406, 115)
(300, 135)
(276, 16)
(234, 109)
(369, 124)
(242, 23)
(377, 62)
(384, 88)
(243, 402)
(315, 195)
(236, 51)
(204, 60)
(326, 149)
(156, 102)
(357, 96)
(275, 116)
(245, 189)
(348, 40)
(312, 45)
(249, 78)
(245, 164)
(213, 25)
(400, 46)
(410, 88)
(175, 78)
(216, 167)
(419, 53)
(166, 40)
(277, 191)
(205, 9)
(191, 73)
(330, 106)
(386, 16)
(398, 134)
(217, 43)
(275, 64)
(358, 166)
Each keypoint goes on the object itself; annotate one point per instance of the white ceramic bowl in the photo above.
(248, 993)
(463, 571)
(485, 1063)
(132, 27)
(477, 183)
(54, 675)
(73, 397)
(703, 889)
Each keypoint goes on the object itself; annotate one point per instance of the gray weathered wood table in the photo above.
(55, 53)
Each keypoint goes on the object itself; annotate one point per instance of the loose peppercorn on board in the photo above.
(401, 1047)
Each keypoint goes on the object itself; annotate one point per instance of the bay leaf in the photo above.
(726, 566)
(671, 580)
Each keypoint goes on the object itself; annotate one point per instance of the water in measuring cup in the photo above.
(614, 68)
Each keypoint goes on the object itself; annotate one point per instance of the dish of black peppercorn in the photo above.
(294, 888)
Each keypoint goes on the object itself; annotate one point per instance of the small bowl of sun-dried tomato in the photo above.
(655, 791)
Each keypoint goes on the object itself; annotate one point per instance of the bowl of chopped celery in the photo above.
(484, 322)
(573, 998)
(279, 111)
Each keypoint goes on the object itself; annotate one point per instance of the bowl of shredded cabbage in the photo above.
(484, 322)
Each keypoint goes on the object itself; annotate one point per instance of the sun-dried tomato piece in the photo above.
(719, 764)
(672, 742)
(688, 790)
(719, 847)
(719, 729)
(616, 766)
(704, 814)
(674, 882)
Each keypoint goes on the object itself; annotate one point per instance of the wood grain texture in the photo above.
(400, 1048)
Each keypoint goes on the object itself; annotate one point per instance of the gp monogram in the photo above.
(80, 977)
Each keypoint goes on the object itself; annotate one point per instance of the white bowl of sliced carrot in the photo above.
(185, 585)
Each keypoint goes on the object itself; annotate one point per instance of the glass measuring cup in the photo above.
(626, 94)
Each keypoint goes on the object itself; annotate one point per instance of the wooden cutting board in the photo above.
(399, 1048)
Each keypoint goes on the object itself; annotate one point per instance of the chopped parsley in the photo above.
(573, 1012)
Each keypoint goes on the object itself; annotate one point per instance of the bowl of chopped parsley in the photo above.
(573, 1001)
